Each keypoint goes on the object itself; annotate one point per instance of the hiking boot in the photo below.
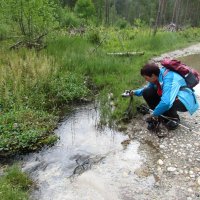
(152, 124)
(172, 124)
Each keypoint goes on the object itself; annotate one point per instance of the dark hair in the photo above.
(149, 69)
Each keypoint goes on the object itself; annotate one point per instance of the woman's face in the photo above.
(151, 78)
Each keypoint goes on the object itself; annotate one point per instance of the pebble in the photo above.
(160, 162)
(171, 169)
(180, 171)
(198, 180)
(190, 190)
(162, 146)
(196, 144)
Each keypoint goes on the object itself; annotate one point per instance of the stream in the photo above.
(193, 61)
(89, 162)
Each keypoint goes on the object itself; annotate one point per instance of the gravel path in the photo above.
(174, 160)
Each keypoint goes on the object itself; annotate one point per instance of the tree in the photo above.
(30, 17)
(158, 16)
(84, 8)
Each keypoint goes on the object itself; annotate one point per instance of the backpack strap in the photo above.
(165, 72)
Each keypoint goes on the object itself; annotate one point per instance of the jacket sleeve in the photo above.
(170, 90)
(139, 92)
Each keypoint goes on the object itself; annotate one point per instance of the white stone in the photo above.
(180, 171)
(162, 146)
(171, 169)
(198, 180)
(190, 190)
(160, 162)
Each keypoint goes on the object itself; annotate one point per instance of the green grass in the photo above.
(33, 89)
(14, 185)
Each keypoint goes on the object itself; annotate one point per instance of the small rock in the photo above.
(186, 171)
(196, 144)
(190, 190)
(160, 162)
(162, 146)
(171, 169)
(198, 180)
(192, 176)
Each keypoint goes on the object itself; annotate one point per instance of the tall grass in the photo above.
(33, 85)
(20, 73)
(14, 185)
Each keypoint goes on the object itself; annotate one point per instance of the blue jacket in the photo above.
(171, 83)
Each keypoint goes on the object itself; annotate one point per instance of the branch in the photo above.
(126, 53)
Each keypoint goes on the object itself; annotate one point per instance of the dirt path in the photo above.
(175, 159)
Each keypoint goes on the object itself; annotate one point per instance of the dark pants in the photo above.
(151, 97)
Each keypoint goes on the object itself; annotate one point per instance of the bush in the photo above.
(68, 19)
(4, 31)
(24, 130)
(14, 184)
(94, 36)
(122, 23)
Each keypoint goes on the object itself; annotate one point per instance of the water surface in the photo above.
(193, 61)
(80, 138)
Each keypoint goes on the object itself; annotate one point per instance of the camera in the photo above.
(127, 93)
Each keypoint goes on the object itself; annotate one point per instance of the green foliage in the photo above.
(139, 23)
(84, 8)
(67, 18)
(122, 23)
(35, 86)
(4, 31)
(24, 130)
(94, 36)
(14, 184)
(32, 17)
(36, 82)
(190, 34)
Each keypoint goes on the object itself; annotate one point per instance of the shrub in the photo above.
(14, 184)
(94, 36)
(4, 31)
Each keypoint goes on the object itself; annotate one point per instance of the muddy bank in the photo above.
(174, 160)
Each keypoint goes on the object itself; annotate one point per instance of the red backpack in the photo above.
(190, 75)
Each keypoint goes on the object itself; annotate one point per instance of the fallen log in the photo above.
(126, 53)
(36, 43)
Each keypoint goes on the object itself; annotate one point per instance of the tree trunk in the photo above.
(178, 14)
(107, 18)
(174, 11)
(157, 17)
(21, 19)
(163, 10)
(186, 11)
